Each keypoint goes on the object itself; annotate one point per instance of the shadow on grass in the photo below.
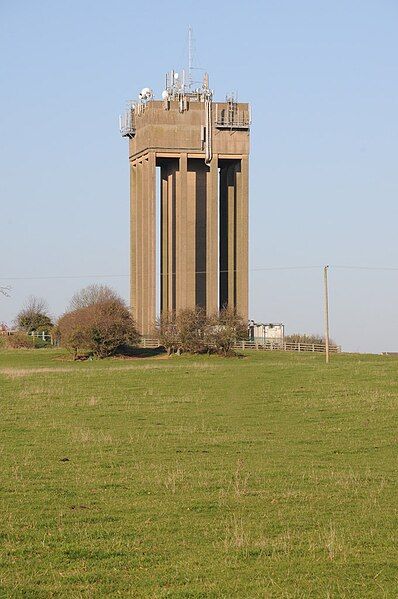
(139, 352)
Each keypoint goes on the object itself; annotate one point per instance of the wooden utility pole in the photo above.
(326, 310)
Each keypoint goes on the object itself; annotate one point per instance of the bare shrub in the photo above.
(93, 294)
(167, 332)
(102, 328)
(304, 338)
(19, 340)
(227, 328)
(186, 331)
(192, 331)
(34, 316)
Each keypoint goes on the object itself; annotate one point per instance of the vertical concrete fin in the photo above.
(144, 249)
(151, 242)
(170, 239)
(191, 238)
(133, 240)
(242, 237)
(181, 231)
(212, 238)
(138, 247)
(231, 236)
(223, 237)
(164, 304)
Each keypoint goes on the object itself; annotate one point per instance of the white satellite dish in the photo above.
(165, 95)
(146, 93)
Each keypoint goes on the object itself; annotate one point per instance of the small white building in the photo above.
(260, 332)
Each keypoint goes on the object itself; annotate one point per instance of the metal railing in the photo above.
(127, 124)
(232, 119)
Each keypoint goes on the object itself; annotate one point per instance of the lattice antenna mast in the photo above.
(190, 57)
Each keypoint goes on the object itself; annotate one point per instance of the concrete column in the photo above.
(201, 200)
(191, 239)
(181, 232)
(242, 238)
(164, 306)
(138, 247)
(133, 240)
(144, 246)
(212, 239)
(151, 242)
(231, 237)
(223, 237)
(171, 239)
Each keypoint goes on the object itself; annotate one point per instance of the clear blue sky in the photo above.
(323, 82)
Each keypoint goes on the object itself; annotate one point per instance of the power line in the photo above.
(363, 267)
(198, 272)
(44, 278)
(109, 276)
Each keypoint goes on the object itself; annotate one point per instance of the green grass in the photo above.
(198, 477)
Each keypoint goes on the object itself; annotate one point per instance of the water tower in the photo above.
(201, 148)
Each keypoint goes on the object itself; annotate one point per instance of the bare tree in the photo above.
(91, 295)
(34, 316)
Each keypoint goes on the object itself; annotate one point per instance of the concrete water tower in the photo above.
(201, 148)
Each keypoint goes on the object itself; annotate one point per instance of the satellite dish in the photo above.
(165, 95)
(146, 93)
(175, 76)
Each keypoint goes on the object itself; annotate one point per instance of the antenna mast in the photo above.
(189, 57)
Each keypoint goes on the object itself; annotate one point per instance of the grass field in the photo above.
(198, 477)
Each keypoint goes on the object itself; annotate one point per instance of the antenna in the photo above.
(189, 57)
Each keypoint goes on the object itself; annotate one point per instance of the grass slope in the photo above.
(198, 477)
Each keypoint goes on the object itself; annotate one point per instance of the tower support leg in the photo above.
(212, 239)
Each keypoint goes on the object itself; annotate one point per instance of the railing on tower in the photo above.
(232, 117)
(127, 123)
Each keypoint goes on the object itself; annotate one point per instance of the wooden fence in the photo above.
(268, 345)
(43, 336)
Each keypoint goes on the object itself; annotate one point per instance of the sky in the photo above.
(322, 79)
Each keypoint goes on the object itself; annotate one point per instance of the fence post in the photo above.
(313, 347)
(298, 346)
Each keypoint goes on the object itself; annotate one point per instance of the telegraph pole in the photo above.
(326, 310)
